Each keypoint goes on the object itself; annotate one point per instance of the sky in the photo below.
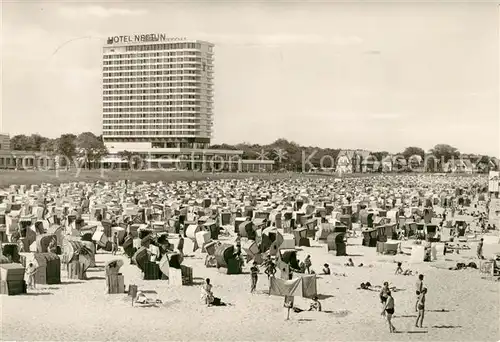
(377, 76)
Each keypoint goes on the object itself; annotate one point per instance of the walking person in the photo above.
(254, 273)
(388, 311)
(421, 308)
(419, 287)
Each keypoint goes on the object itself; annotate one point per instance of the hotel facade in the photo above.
(158, 104)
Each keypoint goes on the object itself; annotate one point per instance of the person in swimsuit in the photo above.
(383, 293)
(254, 272)
(388, 311)
(419, 287)
(421, 308)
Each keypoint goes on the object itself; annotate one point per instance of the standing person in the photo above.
(180, 244)
(114, 243)
(480, 249)
(383, 293)
(308, 264)
(388, 311)
(270, 270)
(288, 305)
(254, 273)
(30, 272)
(421, 308)
(399, 270)
(418, 289)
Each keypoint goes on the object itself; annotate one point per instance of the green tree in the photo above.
(49, 146)
(129, 157)
(20, 142)
(445, 152)
(65, 145)
(413, 151)
(90, 148)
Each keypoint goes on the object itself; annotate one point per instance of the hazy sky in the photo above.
(379, 76)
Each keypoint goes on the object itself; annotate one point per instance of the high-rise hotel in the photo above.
(157, 91)
(158, 101)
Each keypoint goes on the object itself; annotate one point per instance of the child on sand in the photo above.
(421, 308)
(315, 305)
(350, 263)
(326, 269)
(388, 311)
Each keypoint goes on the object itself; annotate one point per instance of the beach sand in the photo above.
(460, 305)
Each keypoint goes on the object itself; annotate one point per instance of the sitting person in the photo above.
(350, 263)
(408, 272)
(141, 298)
(207, 295)
(326, 269)
(52, 248)
(365, 286)
(315, 305)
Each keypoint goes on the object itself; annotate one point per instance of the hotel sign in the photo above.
(143, 38)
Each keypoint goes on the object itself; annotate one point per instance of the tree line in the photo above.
(87, 147)
(287, 155)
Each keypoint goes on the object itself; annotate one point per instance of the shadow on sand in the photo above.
(197, 281)
(412, 332)
(71, 282)
(324, 296)
(355, 255)
(338, 314)
(149, 291)
(447, 326)
(441, 310)
(39, 294)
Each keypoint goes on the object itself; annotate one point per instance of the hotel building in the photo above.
(158, 103)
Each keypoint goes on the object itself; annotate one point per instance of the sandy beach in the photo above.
(460, 305)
